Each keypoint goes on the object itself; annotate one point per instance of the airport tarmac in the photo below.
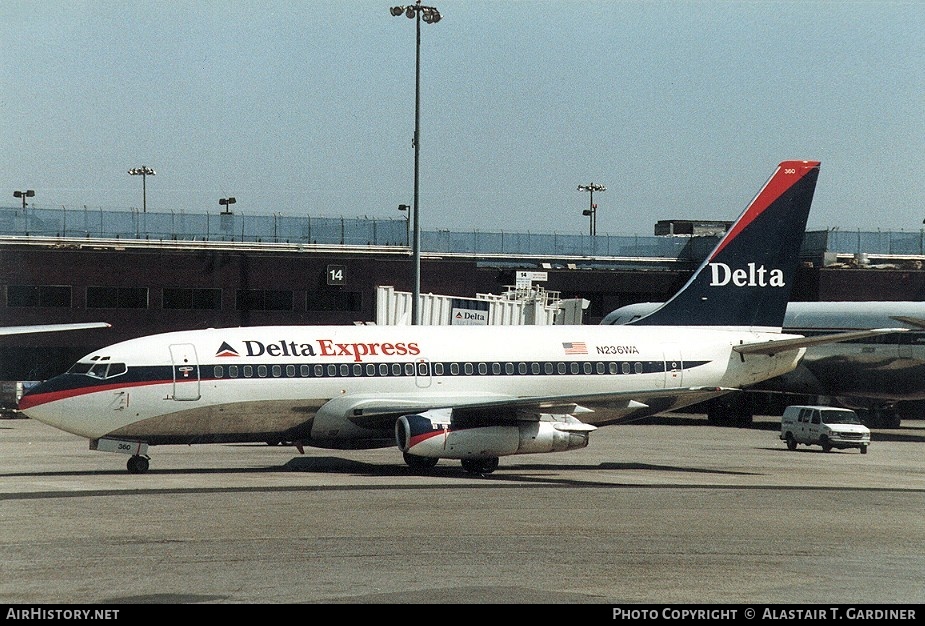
(667, 511)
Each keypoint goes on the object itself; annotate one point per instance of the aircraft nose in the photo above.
(37, 396)
(48, 402)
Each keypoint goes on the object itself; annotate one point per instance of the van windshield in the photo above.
(839, 417)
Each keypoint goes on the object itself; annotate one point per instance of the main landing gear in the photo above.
(480, 466)
(472, 466)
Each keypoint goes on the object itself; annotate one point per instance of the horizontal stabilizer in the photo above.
(912, 321)
(774, 347)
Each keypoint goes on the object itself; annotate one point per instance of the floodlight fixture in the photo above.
(144, 171)
(24, 194)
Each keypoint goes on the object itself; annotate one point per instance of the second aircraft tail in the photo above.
(745, 282)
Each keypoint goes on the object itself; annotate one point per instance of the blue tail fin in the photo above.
(746, 281)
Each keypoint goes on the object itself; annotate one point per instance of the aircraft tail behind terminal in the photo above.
(733, 287)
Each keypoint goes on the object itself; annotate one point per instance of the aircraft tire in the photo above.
(137, 465)
(892, 421)
(419, 462)
(480, 466)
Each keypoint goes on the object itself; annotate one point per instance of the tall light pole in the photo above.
(144, 171)
(24, 195)
(430, 15)
(591, 211)
(226, 202)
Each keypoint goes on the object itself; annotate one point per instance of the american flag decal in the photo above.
(575, 347)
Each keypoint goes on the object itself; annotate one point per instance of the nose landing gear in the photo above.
(137, 464)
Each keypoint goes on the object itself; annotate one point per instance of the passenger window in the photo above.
(495, 368)
(304, 371)
(637, 367)
(573, 368)
(534, 368)
(815, 417)
(248, 371)
(438, 369)
(290, 371)
(454, 369)
(262, 371)
(277, 371)
(370, 369)
(218, 371)
(233, 371)
(483, 369)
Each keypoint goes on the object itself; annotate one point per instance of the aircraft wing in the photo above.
(773, 347)
(609, 408)
(50, 328)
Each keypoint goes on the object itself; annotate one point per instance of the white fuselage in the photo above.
(320, 383)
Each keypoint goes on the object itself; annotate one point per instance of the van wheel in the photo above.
(791, 442)
(826, 445)
(863, 449)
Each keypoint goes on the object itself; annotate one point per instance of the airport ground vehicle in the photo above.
(826, 426)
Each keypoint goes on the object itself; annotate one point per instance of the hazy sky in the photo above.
(682, 109)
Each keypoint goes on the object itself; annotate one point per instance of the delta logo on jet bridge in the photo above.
(321, 347)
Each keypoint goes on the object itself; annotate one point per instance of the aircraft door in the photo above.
(185, 371)
(674, 366)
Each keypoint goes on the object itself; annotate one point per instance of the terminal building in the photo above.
(155, 272)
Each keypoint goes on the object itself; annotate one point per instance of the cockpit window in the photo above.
(101, 369)
(98, 370)
(80, 368)
(115, 369)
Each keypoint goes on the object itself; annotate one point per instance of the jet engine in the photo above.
(436, 435)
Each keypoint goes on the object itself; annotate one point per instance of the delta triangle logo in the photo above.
(226, 350)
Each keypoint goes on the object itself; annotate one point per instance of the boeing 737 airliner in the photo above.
(473, 393)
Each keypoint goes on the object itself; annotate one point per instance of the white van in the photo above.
(824, 426)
